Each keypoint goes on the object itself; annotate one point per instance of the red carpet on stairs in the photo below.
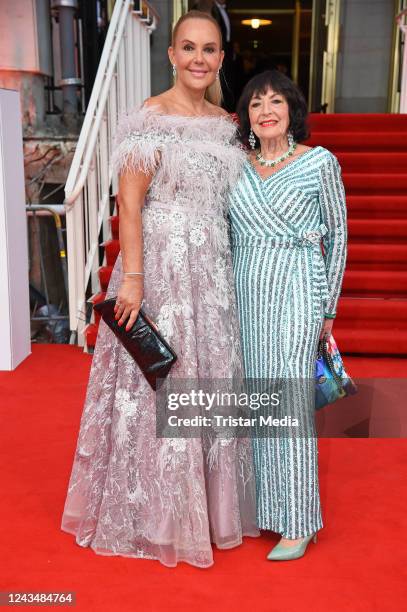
(372, 151)
(357, 565)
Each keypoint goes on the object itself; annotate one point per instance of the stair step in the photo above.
(372, 313)
(114, 226)
(374, 341)
(375, 184)
(365, 256)
(373, 162)
(355, 122)
(112, 249)
(365, 310)
(378, 230)
(375, 282)
(96, 299)
(104, 274)
(377, 206)
(90, 333)
(363, 141)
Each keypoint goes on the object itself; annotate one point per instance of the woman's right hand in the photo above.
(129, 299)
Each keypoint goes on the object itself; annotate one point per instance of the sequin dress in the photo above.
(132, 493)
(285, 283)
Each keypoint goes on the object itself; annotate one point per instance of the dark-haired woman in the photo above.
(289, 199)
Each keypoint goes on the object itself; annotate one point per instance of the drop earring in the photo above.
(290, 139)
(217, 74)
(174, 70)
(252, 139)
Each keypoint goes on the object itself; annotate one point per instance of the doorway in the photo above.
(297, 37)
(272, 34)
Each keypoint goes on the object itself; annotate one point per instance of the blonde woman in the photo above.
(132, 493)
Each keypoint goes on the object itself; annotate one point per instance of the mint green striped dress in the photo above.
(285, 283)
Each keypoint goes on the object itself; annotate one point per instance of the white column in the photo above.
(15, 342)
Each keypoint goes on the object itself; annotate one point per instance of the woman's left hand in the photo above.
(326, 328)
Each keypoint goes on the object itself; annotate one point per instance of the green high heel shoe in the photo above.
(287, 553)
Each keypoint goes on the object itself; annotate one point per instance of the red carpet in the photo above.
(358, 564)
(372, 151)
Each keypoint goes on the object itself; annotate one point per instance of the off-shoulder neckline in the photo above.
(153, 108)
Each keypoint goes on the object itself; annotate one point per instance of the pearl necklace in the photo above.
(270, 163)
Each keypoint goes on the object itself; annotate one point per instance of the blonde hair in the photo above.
(213, 93)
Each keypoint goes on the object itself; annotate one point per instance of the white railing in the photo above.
(403, 86)
(122, 82)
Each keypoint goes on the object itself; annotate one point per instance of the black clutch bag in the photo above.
(148, 348)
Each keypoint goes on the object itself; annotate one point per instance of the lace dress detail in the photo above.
(131, 493)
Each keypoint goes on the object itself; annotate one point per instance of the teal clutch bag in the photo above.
(331, 380)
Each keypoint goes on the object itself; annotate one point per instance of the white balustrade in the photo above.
(122, 82)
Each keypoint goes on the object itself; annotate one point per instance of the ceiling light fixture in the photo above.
(256, 23)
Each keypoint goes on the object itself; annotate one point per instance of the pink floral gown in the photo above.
(130, 492)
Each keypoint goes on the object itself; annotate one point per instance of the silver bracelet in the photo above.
(133, 273)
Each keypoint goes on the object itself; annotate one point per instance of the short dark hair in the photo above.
(281, 84)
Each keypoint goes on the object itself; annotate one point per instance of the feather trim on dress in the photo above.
(146, 139)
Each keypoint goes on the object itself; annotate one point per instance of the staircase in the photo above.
(372, 151)
(122, 82)
(372, 311)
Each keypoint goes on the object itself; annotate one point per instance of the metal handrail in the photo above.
(94, 114)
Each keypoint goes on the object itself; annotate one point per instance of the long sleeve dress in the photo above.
(132, 493)
(285, 285)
